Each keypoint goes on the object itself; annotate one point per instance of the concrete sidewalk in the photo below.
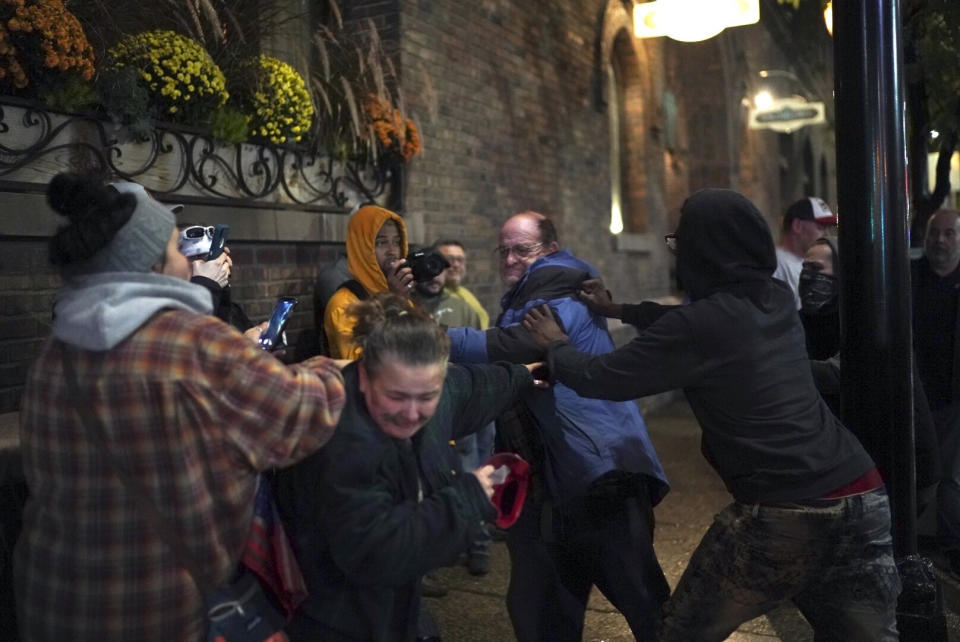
(475, 610)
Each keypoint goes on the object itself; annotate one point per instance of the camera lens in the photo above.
(426, 265)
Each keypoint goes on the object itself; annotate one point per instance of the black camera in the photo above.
(426, 264)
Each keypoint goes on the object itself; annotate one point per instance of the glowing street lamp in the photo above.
(692, 20)
(763, 99)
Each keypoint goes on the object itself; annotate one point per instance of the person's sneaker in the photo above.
(430, 586)
(479, 562)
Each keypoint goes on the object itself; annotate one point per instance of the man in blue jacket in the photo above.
(589, 518)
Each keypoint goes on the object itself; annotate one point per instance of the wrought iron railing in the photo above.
(176, 161)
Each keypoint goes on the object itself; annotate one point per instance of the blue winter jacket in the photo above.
(583, 438)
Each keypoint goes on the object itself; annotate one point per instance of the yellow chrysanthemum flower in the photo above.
(277, 97)
(189, 81)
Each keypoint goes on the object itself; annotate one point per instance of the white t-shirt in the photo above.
(788, 271)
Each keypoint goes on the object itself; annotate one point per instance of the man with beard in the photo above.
(443, 307)
(810, 520)
(936, 283)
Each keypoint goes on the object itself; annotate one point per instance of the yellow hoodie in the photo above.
(362, 262)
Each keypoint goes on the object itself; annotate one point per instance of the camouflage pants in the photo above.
(832, 558)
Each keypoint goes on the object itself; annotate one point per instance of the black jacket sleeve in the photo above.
(482, 392)
(643, 314)
(512, 343)
(663, 357)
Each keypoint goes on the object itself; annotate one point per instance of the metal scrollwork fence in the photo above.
(173, 160)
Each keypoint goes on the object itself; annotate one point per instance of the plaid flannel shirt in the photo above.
(193, 410)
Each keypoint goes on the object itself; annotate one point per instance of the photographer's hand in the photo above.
(216, 270)
(594, 294)
(400, 278)
(543, 329)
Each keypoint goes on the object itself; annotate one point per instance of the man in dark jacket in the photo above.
(596, 475)
(810, 520)
(936, 340)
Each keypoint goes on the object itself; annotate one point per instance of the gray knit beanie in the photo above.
(142, 241)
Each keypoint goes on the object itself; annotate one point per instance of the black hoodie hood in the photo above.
(723, 244)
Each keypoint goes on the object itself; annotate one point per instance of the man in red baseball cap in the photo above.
(803, 223)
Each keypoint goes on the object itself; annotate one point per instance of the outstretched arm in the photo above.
(594, 294)
(481, 392)
(664, 357)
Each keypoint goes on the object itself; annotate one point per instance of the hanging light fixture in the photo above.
(828, 16)
(692, 20)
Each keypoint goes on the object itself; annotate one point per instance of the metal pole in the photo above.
(873, 205)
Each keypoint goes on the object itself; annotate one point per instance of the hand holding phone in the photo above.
(271, 337)
(218, 241)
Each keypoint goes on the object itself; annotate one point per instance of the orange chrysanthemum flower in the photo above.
(40, 36)
(393, 132)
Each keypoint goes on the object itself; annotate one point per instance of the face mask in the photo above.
(817, 290)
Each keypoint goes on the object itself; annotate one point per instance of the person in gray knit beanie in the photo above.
(98, 239)
(138, 390)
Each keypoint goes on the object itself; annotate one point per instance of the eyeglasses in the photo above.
(671, 241)
(455, 259)
(521, 251)
(197, 231)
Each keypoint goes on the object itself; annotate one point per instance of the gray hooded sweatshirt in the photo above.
(98, 311)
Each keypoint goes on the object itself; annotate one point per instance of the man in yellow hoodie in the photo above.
(376, 247)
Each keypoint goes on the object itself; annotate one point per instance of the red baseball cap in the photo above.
(811, 209)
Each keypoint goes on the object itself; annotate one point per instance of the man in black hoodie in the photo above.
(810, 521)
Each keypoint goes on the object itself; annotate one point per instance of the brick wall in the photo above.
(263, 271)
(504, 94)
(27, 288)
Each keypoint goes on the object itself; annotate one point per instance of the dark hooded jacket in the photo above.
(738, 352)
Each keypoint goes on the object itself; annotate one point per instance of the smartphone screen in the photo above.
(269, 338)
(219, 240)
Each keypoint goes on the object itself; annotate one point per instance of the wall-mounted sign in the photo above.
(787, 114)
